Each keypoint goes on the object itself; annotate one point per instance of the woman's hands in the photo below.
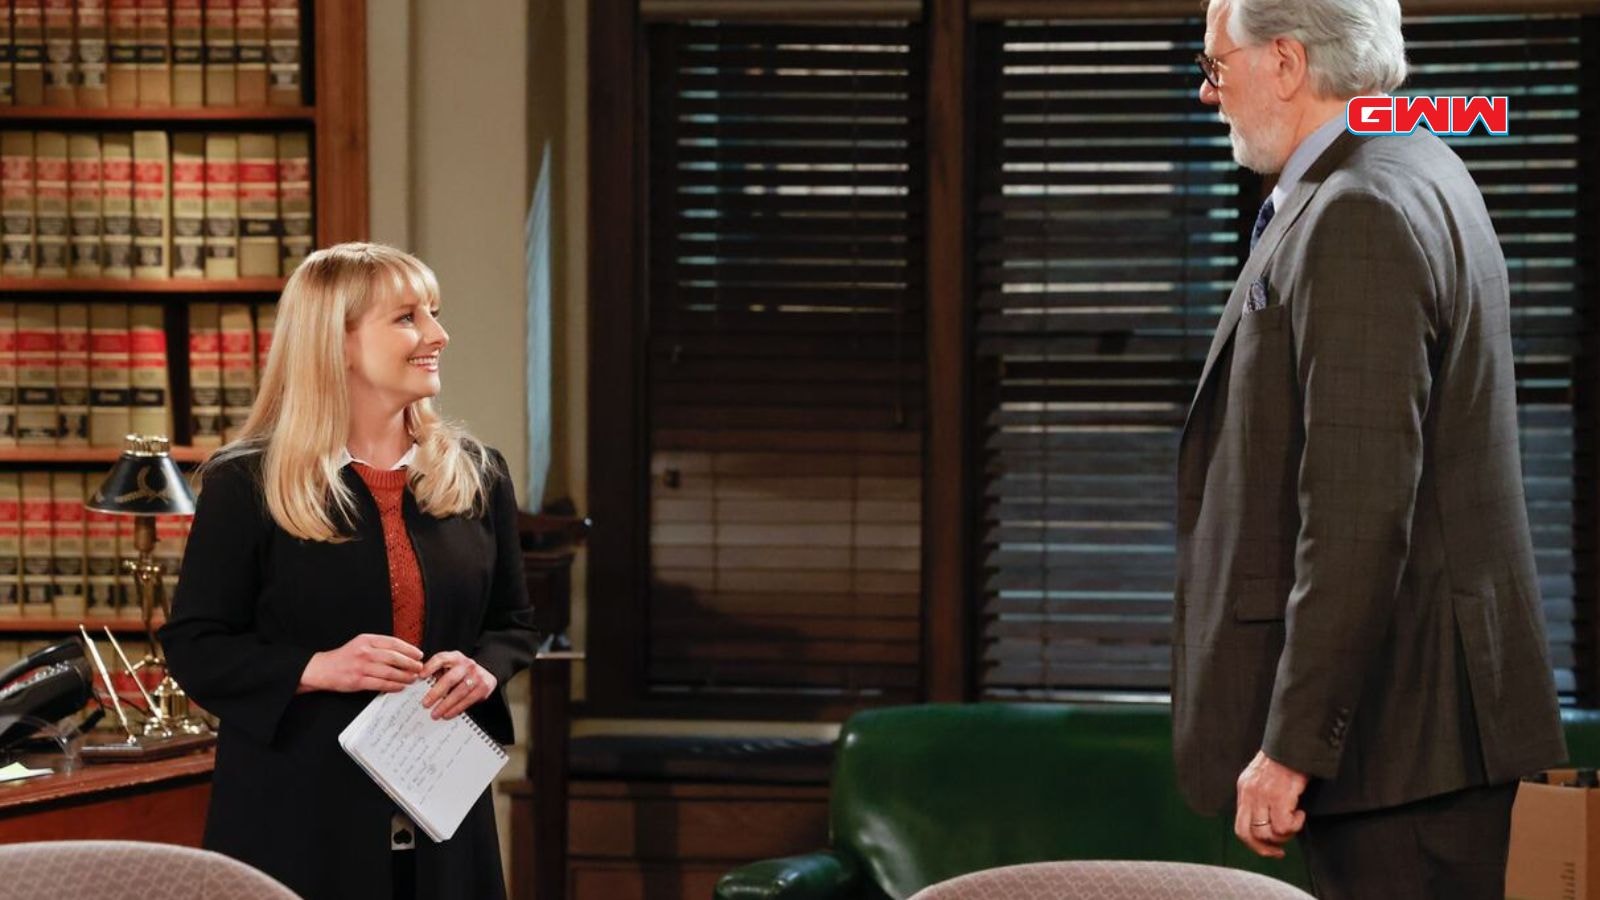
(462, 683)
(380, 662)
(367, 662)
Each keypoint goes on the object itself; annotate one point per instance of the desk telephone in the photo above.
(50, 684)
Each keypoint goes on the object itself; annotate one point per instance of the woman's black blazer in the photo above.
(253, 604)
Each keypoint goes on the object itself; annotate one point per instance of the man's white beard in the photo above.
(1265, 155)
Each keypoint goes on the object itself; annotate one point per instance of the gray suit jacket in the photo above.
(1356, 588)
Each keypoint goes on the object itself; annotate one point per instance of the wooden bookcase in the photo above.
(334, 73)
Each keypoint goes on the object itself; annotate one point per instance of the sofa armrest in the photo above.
(824, 875)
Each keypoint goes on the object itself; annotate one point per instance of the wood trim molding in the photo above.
(617, 496)
(341, 115)
(997, 10)
(760, 10)
(946, 570)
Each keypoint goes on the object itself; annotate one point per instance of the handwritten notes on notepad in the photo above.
(434, 769)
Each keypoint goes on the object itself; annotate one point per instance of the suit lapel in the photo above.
(1284, 220)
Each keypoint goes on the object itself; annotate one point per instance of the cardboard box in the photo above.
(1555, 841)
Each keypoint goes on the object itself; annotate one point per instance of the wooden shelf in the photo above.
(96, 455)
(173, 286)
(70, 626)
(212, 114)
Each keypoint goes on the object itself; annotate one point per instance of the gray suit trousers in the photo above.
(1450, 846)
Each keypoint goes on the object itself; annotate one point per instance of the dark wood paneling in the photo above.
(340, 78)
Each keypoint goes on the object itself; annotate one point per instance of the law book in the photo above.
(266, 321)
(100, 560)
(433, 769)
(238, 368)
(91, 39)
(205, 375)
(16, 204)
(85, 202)
(258, 205)
(67, 543)
(188, 54)
(38, 555)
(151, 412)
(155, 54)
(110, 375)
(283, 50)
(116, 196)
(51, 213)
(27, 52)
(7, 89)
(37, 415)
(60, 51)
(72, 374)
(169, 550)
(122, 32)
(221, 53)
(188, 205)
(250, 43)
(8, 374)
(127, 593)
(152, 212)
(294, 198)
(10, 546)
(222, 206)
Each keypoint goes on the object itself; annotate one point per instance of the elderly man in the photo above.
(1358, 653)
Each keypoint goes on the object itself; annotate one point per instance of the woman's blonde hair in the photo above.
(301, 418)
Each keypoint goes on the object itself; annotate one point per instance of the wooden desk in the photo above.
(163, 801)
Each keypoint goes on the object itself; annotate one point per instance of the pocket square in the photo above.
(1256, 300)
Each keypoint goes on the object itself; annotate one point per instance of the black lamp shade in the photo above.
(144, 482)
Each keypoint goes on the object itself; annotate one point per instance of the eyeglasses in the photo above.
(1211, 66)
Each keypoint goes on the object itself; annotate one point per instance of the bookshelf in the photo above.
(333, 76)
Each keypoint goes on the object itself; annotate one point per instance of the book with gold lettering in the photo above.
(266, 321)
(60, 52)
(258, 205)
(37, 415)
(100, 562)
(72, 374)
(91, 39)
(122, 33)
(51, 213)
(205, 375)
(221, 53)
(188, 54)
(66, 543)
(152, 211)
(152, 403)
(7, 89)
(188, 205)
(283, 50)
(155, 53)
(250, 45)
(10, 545)
(27, 52)
(222, 206)
(294, 198)
(110, 375)
(8, 374)
(238, 368)
(85, 202)
(116, 197)
(16, 204)
(38, 555)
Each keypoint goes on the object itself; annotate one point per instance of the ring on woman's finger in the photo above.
(471, 682)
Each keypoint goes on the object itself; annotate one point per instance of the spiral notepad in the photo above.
(434, 769)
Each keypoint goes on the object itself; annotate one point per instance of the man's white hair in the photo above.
(1353, 47)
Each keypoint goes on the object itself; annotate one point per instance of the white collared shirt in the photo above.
(345, 459)
(1303, 156)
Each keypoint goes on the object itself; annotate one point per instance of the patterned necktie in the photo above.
(1263, 219)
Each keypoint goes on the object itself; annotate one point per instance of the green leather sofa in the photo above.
(921, 794)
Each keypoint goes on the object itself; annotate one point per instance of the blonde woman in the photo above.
(350, 541)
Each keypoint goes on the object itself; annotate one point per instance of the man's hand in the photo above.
(1267, 815)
